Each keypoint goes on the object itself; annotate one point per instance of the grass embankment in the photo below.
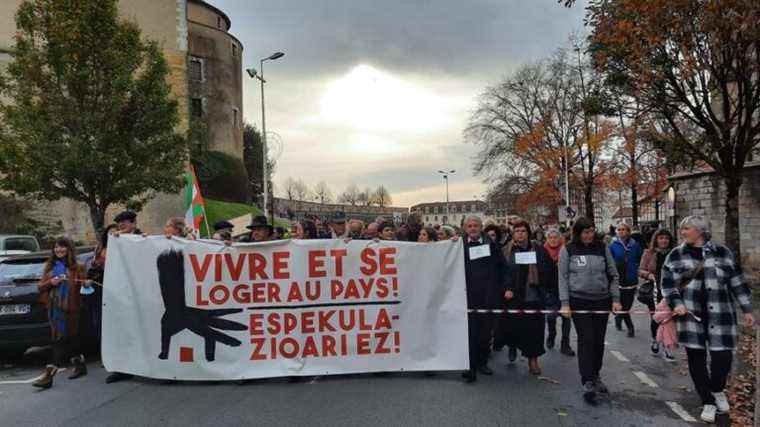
(218, 211)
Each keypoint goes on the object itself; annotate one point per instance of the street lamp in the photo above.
(260, 76)
(446, 178)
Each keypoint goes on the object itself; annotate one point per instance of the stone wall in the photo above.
(704, 194)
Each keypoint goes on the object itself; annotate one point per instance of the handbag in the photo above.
(646, 292)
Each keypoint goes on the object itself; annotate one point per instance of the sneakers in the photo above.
(655, 348)
(721, 402)
(708, 413)
(589, 393)
(669, 356)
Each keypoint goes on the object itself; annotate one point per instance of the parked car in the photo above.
(11, 245)
(23, 318)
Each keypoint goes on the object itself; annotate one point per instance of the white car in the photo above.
(12, 245)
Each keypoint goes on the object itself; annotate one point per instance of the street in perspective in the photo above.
(340, 213)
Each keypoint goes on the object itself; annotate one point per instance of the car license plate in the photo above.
(11, 309)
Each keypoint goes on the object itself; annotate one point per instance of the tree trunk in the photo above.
(97, 216)
(588, 199)
(732, 237)
(634, 205)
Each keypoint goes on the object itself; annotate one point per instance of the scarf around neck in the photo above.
(553, 252)
(532, 268)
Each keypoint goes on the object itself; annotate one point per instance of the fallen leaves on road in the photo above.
(549, 380)
(562, 413)
(741, 387)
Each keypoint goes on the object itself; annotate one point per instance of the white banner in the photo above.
(179, 309)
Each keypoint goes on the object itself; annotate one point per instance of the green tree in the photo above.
(252, 155)
(88, 114)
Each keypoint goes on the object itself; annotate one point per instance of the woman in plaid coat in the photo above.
(702, 283)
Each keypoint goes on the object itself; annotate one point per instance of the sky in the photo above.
(378, 92)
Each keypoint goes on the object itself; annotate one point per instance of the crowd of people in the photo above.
(519, 281)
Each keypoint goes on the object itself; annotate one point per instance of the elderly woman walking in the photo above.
(702, 281)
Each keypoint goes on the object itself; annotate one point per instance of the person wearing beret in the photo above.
(261, 229)
(223, 226)
(127, 222)
(338, 226)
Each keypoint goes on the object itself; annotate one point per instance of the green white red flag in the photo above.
(196, 209)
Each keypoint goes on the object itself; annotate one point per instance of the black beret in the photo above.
(338, 218)
(125, 216)
(223, 225)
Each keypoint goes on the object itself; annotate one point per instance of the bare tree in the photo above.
(381, 196)
(350, 196)
(366, 197)
(323, 193)
(301, 190)
(289, 188)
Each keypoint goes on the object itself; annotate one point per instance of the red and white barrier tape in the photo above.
(529, 311)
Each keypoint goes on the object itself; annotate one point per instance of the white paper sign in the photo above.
(193, 310)
(480, 251)
(525, 257)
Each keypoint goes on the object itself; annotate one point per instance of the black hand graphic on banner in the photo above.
(178, 317)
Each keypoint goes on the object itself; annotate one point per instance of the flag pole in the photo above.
(205, 219)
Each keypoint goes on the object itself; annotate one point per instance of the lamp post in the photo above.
(446, 174)
(265, 176)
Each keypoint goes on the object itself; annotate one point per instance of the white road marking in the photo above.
(315, 379)
(619, 356)
(681, 412)
(645, 379)
(29, 381)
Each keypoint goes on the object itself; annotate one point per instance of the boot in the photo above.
(566, 349)
(618, 323)
(46, 380)
(80, 369)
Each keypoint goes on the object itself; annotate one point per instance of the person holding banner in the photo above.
(588, 285)
(59, 287)
(261, 229)
(525, 331)
(487, 280)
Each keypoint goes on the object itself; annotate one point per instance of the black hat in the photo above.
(125, 216)
(259, 221)
(223, 225)
(338, 218)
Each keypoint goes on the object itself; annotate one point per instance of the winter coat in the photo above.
(627, 257)
(587, 272)
(724, 284)
(70, 305)
(486, 278)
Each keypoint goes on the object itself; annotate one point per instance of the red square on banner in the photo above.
(185, 354)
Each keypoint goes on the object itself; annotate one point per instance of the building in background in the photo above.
(436, 213)
(298, 209)
(205, 77)
(702, 192)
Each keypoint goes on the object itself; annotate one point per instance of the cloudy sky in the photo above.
(377, 92)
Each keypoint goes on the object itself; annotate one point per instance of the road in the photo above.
(644, 391)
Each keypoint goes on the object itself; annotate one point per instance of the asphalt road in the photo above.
(644, 391)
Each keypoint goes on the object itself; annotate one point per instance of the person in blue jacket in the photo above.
(627, 255)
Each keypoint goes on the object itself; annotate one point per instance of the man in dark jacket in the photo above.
(488, 285)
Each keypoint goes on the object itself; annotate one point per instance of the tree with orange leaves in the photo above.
(533, 126)
(694, 64)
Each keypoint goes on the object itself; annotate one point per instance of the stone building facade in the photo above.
(703, 193)
(436, 213)
(186, 30)
(299, 209)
